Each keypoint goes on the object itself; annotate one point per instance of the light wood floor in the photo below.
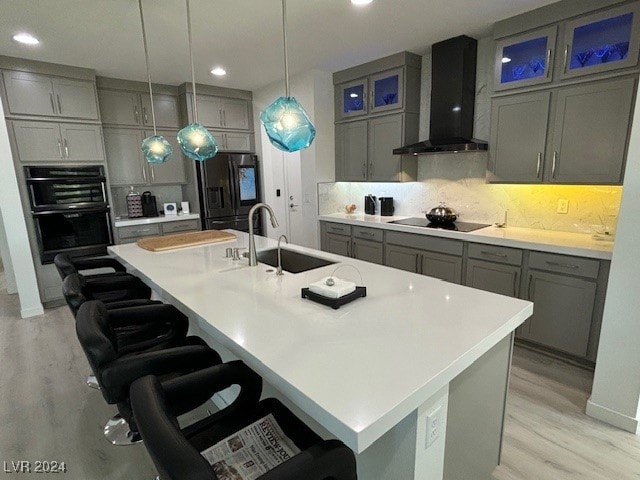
(47, 413)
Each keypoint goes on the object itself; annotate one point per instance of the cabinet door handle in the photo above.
(515, 284)
(539, 164)
(142, 230)
(224, 118)
(563, 265)
(144, 174)
(60, 148)
(355, 249)
(529, 287)
(53, 106)
(553, 165)
(220, 114)
(66, 148)
(493, 254)
(371, 168)
(136, 116)
(144, 115)
(153, 174)
(566, 53)
(418, 263)
(364, 170)
(547, 66)
(59, 104)
(349, 248)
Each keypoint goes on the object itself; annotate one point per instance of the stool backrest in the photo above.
(64, 265)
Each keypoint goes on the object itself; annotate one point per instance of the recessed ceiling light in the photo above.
(218, 71)
(361, 2)
(26, 38)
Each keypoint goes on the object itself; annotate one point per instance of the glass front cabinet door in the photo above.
(353, 98)
(600, 42)
(525, 60)
(386, 90)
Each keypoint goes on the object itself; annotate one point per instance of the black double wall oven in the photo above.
(70, 210)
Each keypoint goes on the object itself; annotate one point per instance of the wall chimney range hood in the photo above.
(453, 85)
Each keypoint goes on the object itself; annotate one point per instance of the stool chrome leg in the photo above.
(118, 432)
(92, 381)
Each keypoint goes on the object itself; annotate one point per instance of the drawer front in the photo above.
(139, 231)
(578, 266)
(365, 233)
(425, 242)
(510, 256)
(180, 226)
(338, 228)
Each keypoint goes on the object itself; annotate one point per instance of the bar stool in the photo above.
(66, 265)
(177, 454)
(118, 360)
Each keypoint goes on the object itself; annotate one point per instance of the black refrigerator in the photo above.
(228, 185)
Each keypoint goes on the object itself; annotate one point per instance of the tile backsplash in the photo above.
(459, 180)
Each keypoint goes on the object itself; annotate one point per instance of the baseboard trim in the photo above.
(612, 417)
(32, 311)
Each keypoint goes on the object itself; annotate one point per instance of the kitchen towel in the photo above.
(340, 287)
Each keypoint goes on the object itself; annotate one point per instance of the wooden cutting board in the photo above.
(181, 240)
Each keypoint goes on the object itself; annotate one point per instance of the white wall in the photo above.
(314, 90)
(615, 397)
(7, 266)
(16, 230)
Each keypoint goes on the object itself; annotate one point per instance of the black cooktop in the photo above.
(456, 227)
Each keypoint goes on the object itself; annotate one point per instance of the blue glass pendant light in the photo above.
(155, 148)
(288, 126)
(196, 142)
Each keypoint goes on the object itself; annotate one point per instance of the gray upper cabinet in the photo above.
(55, 142)
(591, 130)
(120, 107)
(220, 112)
(233, 141)
(376, 110)
(351, 151)
(127, 166)
(585, 142)
(43, 95)
(601, 42)
(525, 60)
(518, 137)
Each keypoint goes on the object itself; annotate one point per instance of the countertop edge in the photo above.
(476, 236)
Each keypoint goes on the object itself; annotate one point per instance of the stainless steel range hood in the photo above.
(453, 85)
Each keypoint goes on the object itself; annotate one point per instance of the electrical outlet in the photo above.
(563, 206)
(434, 425)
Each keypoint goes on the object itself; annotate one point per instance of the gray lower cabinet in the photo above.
(493, 277)
(132, 233)
(368, 250)
(563, 290)
(56, 142)
(127, 165)
(436, 257)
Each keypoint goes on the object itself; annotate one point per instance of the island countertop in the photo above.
(358, 370)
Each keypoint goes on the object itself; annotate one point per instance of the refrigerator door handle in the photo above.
(233, 180)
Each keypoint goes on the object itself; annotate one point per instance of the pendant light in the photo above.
(155, 148)
(196, 142)
(288, 126)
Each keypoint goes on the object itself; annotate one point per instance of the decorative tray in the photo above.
(334, 303)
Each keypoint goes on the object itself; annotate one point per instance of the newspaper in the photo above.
(251, 452)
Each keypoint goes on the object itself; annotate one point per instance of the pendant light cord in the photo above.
(193, 75)
(146, 56)
(286, 59)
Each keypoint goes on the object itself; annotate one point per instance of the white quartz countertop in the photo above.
(579, 244)
(357, 370)
(126, 222)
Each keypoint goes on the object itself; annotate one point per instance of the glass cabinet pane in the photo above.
(354, 99)
(387, 90)
(601, 42)
(524, 60)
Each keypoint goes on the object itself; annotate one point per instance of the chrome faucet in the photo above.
(253, 259)
(279, 269)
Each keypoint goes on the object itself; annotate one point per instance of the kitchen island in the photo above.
(388, 374)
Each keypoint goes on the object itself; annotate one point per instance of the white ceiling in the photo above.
(244, 36)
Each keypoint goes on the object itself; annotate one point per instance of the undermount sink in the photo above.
(293, 262)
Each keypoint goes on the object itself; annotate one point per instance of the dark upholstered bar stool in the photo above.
(66, 265)
(117, 359)
(176, 453)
